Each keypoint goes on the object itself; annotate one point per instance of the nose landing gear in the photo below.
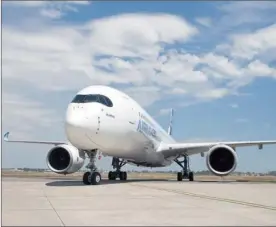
(117, 164)
(186, 173)
(93, 176)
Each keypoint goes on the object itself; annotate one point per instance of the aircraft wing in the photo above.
(6, 138)
(175, 149)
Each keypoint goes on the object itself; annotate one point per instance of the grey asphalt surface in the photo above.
(48, 202)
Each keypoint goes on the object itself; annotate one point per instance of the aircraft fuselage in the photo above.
(93, 125)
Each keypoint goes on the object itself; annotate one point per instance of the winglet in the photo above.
(6, 136)
(170, 126)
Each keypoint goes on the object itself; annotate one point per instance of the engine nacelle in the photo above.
(65, 159)
(221, 160)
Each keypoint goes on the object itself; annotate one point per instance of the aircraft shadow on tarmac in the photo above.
(66, 183)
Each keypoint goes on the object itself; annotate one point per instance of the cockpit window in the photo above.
(102, 100)
(107, 101)
(78, 99)
(93, 98)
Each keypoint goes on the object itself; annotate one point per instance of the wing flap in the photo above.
(6, 138)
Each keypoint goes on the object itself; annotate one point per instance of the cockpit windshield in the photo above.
(93, 98)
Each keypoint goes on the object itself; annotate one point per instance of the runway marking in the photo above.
(210, 197)
(63, 224)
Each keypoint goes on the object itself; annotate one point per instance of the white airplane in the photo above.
(103, 119)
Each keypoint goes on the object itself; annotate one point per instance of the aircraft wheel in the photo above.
(191, 176)
(112, 175)
(123, 176)
(109, 175)
(95, 178)
(86, 178)
(179, 176)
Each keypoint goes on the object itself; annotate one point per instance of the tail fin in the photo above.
(171, 120)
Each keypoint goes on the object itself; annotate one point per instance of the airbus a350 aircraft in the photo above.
(103, 119)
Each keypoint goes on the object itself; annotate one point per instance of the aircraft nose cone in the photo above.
(75, 117)
(75, 125)
(80, 126)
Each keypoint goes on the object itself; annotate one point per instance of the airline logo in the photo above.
(146, 128)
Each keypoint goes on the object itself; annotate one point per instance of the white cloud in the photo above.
(222, 66)
(250, 45)
(257, 68)
(129, 49)
(146, 95)
(233, 7)
(214, 93)
(165, 111)
(176, 67)
(26, 116)
(179, 91)
(234, 106)
(137, 35)
(50, 9)
(52, 13)
(45, 58)
(205, 21)
(251, 54)
(71, 52)
(41, 3)
(244, 14)
(26, 3)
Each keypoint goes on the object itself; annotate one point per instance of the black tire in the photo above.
(179, 176)
(95, 178)
(109, 175)
(123, 176)
(85, 178)
(112, 175)
(191, 176)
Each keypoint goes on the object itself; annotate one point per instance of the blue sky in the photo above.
(213, 62)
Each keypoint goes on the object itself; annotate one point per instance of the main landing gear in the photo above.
(117, 164)
(186, 173)
(93, 176)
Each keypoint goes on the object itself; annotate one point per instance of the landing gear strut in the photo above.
(186, 173)
(117, 164)
(93, 176)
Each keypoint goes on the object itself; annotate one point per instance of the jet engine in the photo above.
(221, 160)
(65, 159)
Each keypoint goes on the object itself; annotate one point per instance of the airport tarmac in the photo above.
(67, 202)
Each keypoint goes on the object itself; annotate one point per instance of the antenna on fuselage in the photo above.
(171, 121)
